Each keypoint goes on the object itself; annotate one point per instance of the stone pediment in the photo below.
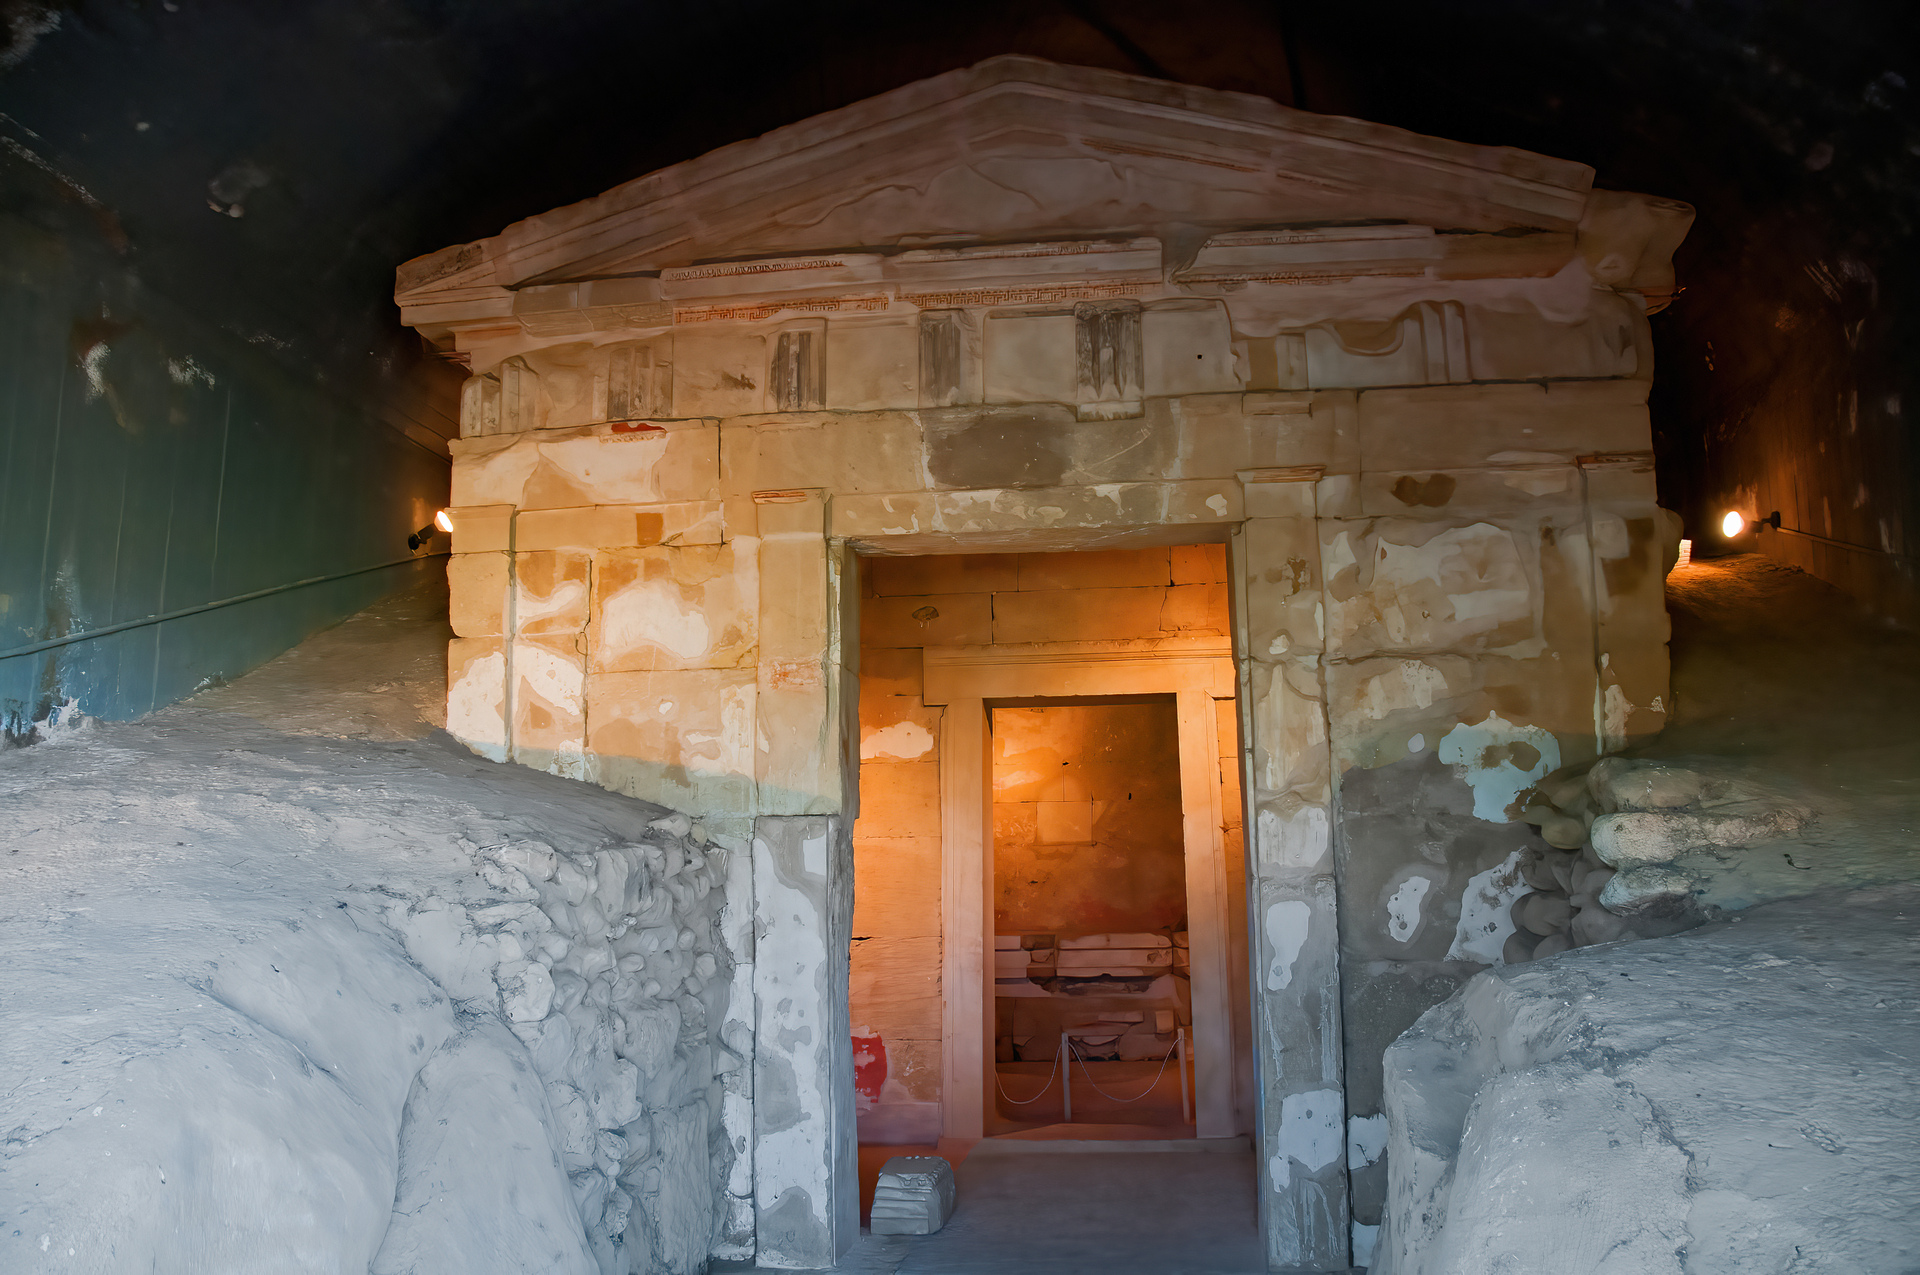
(1014, 150)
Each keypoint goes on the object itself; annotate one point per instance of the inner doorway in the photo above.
(1093, 1004)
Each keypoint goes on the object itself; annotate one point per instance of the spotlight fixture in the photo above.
(442, 521)
(1735, 523)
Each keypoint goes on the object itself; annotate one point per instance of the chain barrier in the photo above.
(1137, 1097)
(1074, 1052)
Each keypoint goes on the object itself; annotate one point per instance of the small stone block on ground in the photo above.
(914, 1196)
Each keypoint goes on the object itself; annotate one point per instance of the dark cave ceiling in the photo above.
(350, 135)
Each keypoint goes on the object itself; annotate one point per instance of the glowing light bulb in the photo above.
(444, 521)
(1733, 524)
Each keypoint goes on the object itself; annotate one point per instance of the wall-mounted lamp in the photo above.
(442, 521)
(1736, 523)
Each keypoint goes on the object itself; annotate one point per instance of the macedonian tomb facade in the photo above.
(780, 468)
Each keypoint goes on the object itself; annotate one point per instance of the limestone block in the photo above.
(1405, 694)
(805, 1173)
(1426, 587)
(481, 528)
(890, 671)
(1096, 569)
(872, 364)
(490, 471)
(1509, 493)
(570, 383)
(1628, 241)
(945, 573)
(1030, 358)
(1287, 493)
(1213, 438)
(795, 621)
(1024, 517)
(942, 619)
(1196, 608)
(1289, 731)
(1188, 348)
(797, 764)
(550, 592)
(913, 1196)
(899, 799)
(1199, 564)
(1078, 615)
(719, 371)
(548, 679)
(1462, 426)
(477, 695)
(694, 726)
(477, 594)
(1523, 345)
(897, 728)
(880, 452)
(594, 527)
(616, 465)
(675, 608)
(899, 877)
(895, 986)
(1362, 353)
(1286, 612)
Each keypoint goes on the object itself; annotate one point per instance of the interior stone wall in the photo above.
(1087, 834)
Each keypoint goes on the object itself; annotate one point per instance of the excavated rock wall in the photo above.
(608, 967)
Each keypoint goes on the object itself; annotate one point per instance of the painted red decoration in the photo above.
(869, 1066)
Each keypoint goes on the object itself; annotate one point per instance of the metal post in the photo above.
(1186, 1099)
(1066, 1076)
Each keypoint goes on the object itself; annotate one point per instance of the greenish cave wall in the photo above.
(180, 492)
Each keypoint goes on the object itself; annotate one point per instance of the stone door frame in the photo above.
(967, 681)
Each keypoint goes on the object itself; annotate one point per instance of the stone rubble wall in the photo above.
(610, 968)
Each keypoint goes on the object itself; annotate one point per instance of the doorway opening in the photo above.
(1093, 1004)
(969, 964)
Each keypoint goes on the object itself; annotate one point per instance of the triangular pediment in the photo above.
(1014, 149)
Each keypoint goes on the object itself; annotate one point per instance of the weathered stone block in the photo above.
(1188, 348)
(1109, 569)
(945, 573)
(481, 528)
(682, 738)
(879, 452)
(897, 728)
(890, 671)
(945, 619)
(1199, 564)
(477, 594)
(895, 985)
(1078, 615)
(549, 705)
(913, 1196)
(900, 799)
(668, 608)
(551, 592)
(1438, 427)
(477, 694)
(872, 364)
(899, 878)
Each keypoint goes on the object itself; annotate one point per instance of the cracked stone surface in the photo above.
(1740, 1098)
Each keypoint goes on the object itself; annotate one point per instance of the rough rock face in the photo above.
(298, 1004)
(606, 964)
(1614, 828)
(1738, 1098)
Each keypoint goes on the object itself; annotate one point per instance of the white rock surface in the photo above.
(1740, 1098)
(281, 1002)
